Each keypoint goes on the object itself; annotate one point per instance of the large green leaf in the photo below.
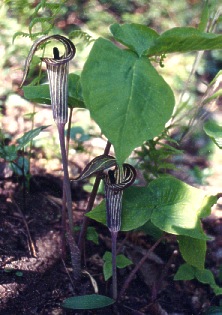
(184, 39)
(126, 96)
(193, 250)
(87, 302)
(169, 203)
(179, 207)
(137, 37)
(41, 94)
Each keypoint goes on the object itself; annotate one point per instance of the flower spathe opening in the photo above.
(57, 70)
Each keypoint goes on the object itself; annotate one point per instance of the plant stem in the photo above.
(90, 204)
(68, 131)
(63, 221)
(138, 266)
(74, 250)
(114, 273)
(31, 142)
(66, 182)
(64, 192)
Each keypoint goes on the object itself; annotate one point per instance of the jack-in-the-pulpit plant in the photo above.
(57, 70)
(131, 102)
(116, 178)
(115, 182)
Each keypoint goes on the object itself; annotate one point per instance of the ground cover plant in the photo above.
(131, 102)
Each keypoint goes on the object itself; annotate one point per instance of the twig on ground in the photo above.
(30, 242)
(138, 266)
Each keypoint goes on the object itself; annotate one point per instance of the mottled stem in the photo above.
(114, 271)
(74, 250)
(61, 130)
(64, 192)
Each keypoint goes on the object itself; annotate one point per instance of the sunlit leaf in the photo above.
(169, 203)
(179, 207)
